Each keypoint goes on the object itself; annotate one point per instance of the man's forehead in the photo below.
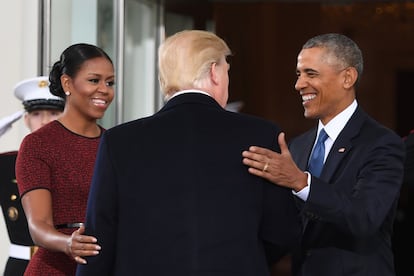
(310, 58)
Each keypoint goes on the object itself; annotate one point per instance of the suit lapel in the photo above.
(302, 147)
(343, 144)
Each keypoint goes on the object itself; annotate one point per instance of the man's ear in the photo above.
(351, 76)
(214, 73)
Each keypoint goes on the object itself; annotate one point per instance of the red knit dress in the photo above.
(62, 162)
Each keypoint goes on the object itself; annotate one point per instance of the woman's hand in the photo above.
(79, 246)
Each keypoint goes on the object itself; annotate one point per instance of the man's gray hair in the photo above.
(341, 47)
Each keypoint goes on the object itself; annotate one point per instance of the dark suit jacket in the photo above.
(170, 196)
(351, 207)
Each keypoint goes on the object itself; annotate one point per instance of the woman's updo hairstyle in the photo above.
(70, 62)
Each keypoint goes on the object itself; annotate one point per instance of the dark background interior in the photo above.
(266, 36)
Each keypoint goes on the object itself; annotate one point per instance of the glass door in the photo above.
(128, 30)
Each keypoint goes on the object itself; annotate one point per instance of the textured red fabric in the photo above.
(61, 161)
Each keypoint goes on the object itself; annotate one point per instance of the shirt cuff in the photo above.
(304, 193)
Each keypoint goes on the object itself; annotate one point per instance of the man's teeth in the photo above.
(308, 97)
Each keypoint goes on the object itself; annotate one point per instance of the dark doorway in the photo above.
(405, 100)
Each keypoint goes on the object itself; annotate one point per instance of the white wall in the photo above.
(18, 55)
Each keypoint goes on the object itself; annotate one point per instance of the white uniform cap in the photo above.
(34, 94)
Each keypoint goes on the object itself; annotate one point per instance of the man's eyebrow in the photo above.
(310, 70)
(307, 71)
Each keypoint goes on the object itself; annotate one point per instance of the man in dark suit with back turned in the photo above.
(349, 209)
(170, 195)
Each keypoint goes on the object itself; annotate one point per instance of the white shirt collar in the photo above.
(335, 126)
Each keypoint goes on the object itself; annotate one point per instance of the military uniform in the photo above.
(22, 246)
(35, 95)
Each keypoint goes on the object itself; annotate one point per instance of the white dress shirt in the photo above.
(333, 128)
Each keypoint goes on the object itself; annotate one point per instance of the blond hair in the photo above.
(185, 58)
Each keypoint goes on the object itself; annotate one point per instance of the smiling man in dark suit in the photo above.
(170, 195)
(348, 210)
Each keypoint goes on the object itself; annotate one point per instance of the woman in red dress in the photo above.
(55, 164)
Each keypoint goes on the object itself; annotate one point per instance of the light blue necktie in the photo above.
(318, 154)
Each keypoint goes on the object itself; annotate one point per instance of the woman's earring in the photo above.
(67, 93)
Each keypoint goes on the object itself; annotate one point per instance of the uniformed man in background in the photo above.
(40, 107)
